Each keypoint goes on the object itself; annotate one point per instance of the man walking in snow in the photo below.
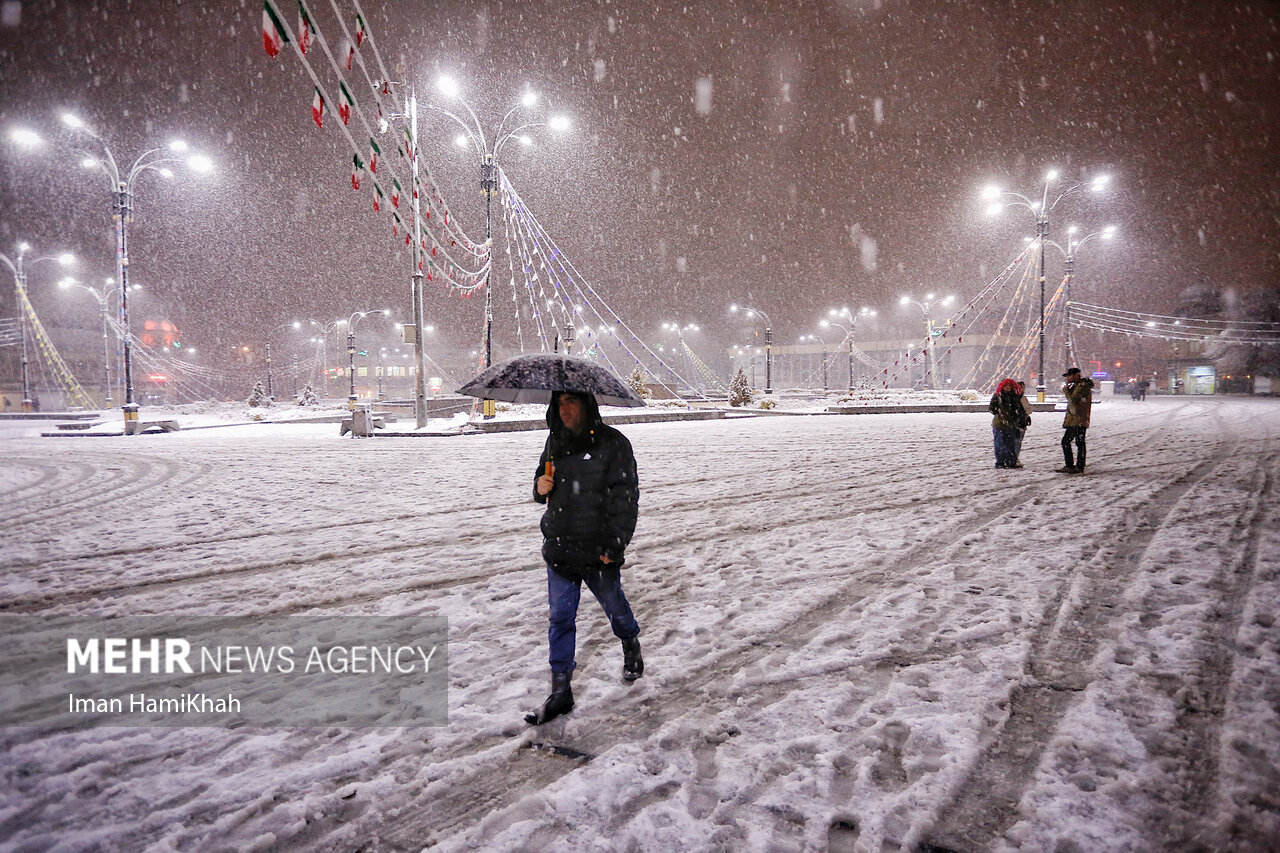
(587, 478)
(1078, 391)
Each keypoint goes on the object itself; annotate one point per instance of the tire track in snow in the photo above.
(520, 534)
(986, 802)
(136, 475)
(712, 672)
(708, 683)
(1200, 717)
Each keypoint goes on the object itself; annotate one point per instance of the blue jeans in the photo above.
(563, 594)
(1004, 439)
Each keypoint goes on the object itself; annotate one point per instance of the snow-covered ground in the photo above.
(858, 636)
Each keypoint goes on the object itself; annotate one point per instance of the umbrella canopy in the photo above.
(534, 378)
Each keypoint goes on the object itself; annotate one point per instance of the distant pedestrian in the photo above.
(587, 479)
(1008, 417)
(1026, 422)
(1078, 391)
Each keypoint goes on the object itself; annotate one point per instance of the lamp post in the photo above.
(680, 330)
(351, 349)
(927, 306)
(416, 296)
(849, 315)
(821, 340)
(296, 324)
(102, 297)
(325, 328)
(1069, 269)
(473, 136)
(17, 267)
(768, 342)
(151, 160)
(1000, 198)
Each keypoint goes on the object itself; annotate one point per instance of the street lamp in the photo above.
(101, 294)
(296, 324)
(351, 349)
(820, 339)
(473, 137)
(688, 360)
(768, 342)
(16, 266)
(929, 301)
(122, 213)
(1001, 198)
(847, 314)
(325, 328)
(1069, 267)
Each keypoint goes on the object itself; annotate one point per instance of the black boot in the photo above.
(559, 702)
(632, 663)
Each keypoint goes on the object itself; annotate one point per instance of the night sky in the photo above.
(839, 160)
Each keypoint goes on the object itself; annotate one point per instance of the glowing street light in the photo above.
(352, 323)
(1001, 198)
(473, 137)
(102, 296)
(825, 385)
(846, 314)
(16, 267)
(296, 324)
(1069, 268)
(927, 306)
(768, 342)
(685, 348)
(153, 160)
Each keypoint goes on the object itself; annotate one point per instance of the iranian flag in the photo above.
(361, 31)
(374, 151)
(357, 171)
(273, 37)
(347, 52)
(317, 109)
(395, 193)
(306, 29)
(344, 103)
(396, 222)
(377, 198)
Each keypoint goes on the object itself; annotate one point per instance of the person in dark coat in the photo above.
(1078, 391)
(1008, 419)
(587, 478)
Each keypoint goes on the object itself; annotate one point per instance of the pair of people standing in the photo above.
(1012, 415)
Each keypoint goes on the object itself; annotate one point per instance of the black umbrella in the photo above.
(534, 378)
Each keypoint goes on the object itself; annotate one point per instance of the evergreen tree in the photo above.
(639, 383)
(258, 396)
(308, 397)
(739, 391)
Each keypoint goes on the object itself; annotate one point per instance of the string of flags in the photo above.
(450, 258)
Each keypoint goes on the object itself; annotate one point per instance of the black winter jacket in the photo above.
(592, 510)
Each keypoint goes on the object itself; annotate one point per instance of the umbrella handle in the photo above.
(549, 468)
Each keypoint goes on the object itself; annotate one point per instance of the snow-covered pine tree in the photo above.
(739, 391)
(258, 396)
(638, 382)
(308, 396)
